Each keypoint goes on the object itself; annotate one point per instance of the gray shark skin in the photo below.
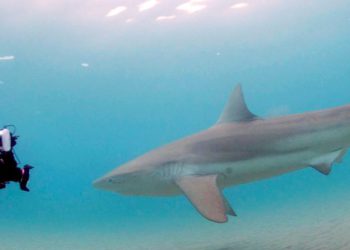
(239, 148)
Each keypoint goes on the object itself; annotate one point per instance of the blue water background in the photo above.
(147, 84)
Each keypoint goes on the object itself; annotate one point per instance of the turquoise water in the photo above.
(88, 92)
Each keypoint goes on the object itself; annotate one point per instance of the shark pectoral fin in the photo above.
(228, 209)
(205, 196)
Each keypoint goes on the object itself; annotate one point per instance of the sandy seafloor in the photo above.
(329, 232)
(320, 223)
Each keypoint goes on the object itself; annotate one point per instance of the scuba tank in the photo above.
(5, 140)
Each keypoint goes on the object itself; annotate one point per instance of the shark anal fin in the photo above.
(323, 164)
(205, 196)
(323, 168)
(341, 155)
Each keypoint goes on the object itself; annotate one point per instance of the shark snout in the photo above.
(100, 183)
(108, 182)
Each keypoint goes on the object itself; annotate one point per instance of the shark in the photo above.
(239, 148)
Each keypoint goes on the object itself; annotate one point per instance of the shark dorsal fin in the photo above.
(236, 109)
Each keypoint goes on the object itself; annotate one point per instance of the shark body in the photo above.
(239, 148)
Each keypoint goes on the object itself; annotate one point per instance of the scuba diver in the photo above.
(8, 164)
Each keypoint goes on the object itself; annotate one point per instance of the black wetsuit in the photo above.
(8, 168)
(10, 172)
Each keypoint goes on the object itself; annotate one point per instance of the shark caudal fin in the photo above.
(236, 109)
(206, 197)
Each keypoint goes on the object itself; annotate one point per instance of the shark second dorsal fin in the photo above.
(236, 109)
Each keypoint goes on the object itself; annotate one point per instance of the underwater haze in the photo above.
(93, 84)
